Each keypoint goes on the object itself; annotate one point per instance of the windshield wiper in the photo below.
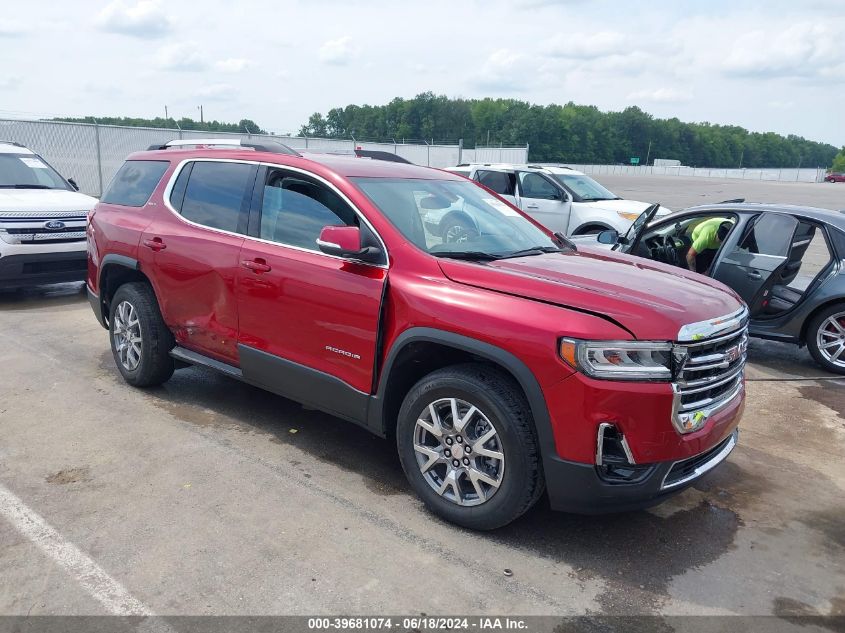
(536, 250)
(470, 255)
(598, 199)
(25, 187)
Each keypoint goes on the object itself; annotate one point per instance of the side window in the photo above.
(215, 195)
(294, 210)
(771, 234)
(135, 182)
(535, 186)
(501, 182)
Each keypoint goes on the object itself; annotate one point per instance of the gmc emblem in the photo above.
(732, 354)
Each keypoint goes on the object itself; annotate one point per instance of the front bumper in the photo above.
(42, 268)
(578, 488)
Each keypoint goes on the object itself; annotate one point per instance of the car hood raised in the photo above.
(624, 206)
(41, 200)
(651, 300)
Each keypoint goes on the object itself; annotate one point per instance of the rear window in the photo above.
(216, 195)
(135, 182)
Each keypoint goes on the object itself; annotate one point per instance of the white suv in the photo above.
(42, 221)
(559, 198)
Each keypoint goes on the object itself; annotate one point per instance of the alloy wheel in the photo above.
(459, 452)
(127, 335)
(830, 339)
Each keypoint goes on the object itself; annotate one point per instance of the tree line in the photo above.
(244, 126)
(568, 133)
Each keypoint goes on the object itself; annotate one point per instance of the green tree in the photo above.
(838, 164)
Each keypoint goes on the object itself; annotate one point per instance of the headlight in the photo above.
(628, 216)
(9, 239)
(619, 360)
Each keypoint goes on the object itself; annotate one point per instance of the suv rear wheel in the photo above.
(466, 442)
(140, 341)
(826, 338)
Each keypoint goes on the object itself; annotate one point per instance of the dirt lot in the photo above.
(207, 496)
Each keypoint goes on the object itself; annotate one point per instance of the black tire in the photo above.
(154, 365)
(455, 229)
(501, 401)
(812, 336)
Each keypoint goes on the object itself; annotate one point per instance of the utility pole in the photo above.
(166, 118)
(648, 153)
(201, 119)
(741, 154)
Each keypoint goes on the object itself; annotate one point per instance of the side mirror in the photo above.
(73, 184)
(345, 241)
(610, 236)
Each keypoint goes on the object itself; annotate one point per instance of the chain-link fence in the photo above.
(91, 154)
(785, 174)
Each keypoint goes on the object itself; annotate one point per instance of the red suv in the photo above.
(504, 363)
(834, 177)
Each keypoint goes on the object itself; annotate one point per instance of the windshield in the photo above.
(584, 187)
(27, 171)
(455, 219)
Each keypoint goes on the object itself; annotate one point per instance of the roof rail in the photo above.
(734, 201)
(267, 146)
(15, 143)
(375, 154)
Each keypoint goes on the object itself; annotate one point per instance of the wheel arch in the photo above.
(115, 271)
(419, 351)
(590, 224)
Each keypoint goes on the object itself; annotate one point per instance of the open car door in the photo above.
(628, 242)
(752, 265)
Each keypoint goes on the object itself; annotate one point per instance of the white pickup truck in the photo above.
(559, 198)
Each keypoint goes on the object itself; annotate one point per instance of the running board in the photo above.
(193, 358)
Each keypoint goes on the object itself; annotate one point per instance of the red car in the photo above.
(835, 177)
(504, 364)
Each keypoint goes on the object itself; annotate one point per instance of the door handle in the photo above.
(755, 275)
(531, 206)
(257, 265)
(155, 244)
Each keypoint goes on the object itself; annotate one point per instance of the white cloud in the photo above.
(10, 28)
(506, 71)
(338, 52)
(145, 19)
(587, 45)
(805, 49)
(661, 95)
(10, 82)
(184, 56)
(217, 92)
(232, 65)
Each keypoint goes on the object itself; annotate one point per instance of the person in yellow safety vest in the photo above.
(707, 237)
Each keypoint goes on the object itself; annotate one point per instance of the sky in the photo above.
(773, 65)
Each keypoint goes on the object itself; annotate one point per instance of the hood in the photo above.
(624, 206)
(651, 300)
(44, 200)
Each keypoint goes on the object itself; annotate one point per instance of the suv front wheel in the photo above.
(140, 341)
(467, 445)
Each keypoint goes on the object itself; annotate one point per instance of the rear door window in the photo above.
(135, 182)
(217, 195)
(501, 182)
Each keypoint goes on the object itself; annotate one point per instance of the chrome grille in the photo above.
(711, 374)
(31, 228)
